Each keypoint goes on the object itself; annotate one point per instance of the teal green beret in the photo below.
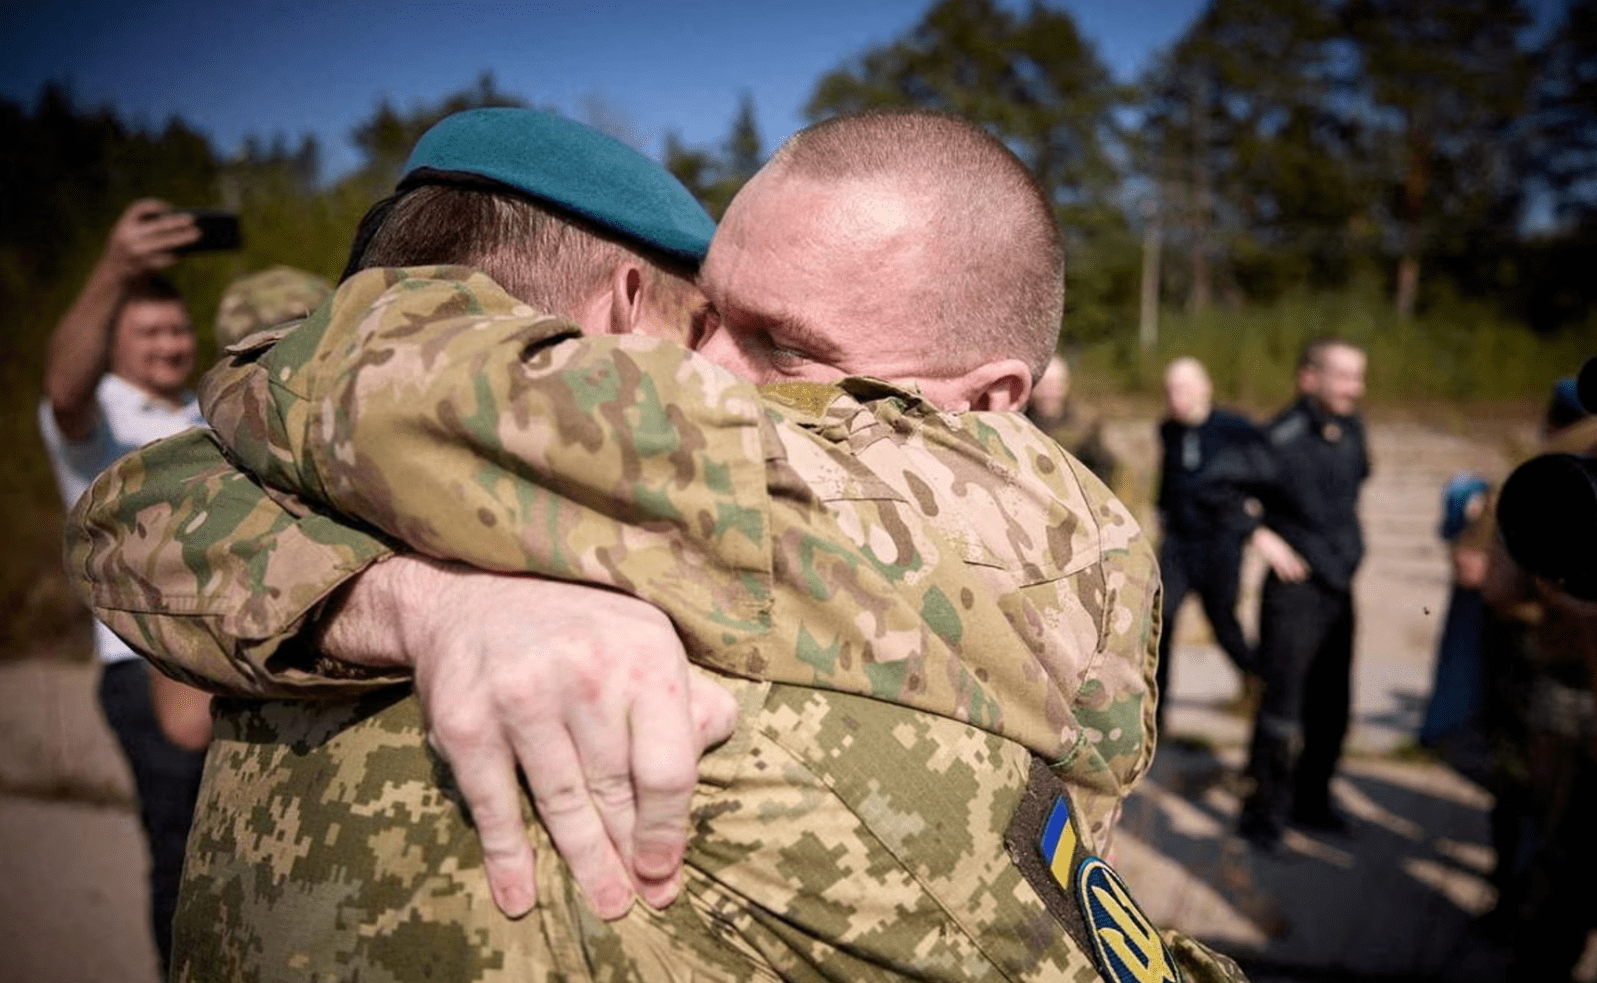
(571, 166)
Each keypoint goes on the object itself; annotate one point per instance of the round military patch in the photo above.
(1127, 946)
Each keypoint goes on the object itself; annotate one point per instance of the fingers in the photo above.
(715, 712)
(1297, 569)
(590, 692)
(485, 771)
(566, 805)
(666, 750)
(148, 233)
(665, 755)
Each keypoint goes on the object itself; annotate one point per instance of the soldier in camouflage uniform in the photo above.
(275, 295)
(909, 639)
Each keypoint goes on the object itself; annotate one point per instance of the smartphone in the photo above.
(218, 231)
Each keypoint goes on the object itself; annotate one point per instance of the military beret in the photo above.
(572, 166)
(261, 300)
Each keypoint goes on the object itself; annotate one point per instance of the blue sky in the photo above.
(236, 67)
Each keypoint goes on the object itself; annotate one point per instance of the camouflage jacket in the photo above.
(844, 538)
(850, 537)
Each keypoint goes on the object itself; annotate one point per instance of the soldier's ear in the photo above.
(628, 297)
(1000, 386)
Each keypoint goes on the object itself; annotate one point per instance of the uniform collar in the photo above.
(1320, 418)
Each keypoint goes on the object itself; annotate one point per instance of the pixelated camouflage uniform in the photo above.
(954, 565)
(273, 296)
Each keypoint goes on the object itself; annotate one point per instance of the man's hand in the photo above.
(141, 242)
(1281, 557)
(588, 690)
(145, 238)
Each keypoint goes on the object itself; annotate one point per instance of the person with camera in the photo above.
(114, 380)
(1541, 577)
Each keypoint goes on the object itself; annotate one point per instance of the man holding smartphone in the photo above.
(114, 380)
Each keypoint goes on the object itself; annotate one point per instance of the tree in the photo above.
(1565, 136)
(744, 148)
(1445, 83)
(387, 137)
(1242, 146)
(1035, 83)
(715, 178)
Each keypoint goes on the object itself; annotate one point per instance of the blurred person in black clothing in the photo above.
(1212, 460)
(1312, 541)
(1073, 426)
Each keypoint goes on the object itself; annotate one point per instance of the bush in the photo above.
(1457, 351)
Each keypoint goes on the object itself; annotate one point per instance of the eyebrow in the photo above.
(794, 330)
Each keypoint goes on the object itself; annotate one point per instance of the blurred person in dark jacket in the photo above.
(1311, 539)
(1212, 460)
(1547, 791)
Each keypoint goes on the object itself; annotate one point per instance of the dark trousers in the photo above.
(1210, 568)
(167, 779)
(1306, 659)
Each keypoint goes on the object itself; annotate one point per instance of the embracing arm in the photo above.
(212, 578)
(439, 409)
(250, 594)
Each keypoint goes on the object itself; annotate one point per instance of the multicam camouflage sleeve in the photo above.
(957, 564)
(211, 575)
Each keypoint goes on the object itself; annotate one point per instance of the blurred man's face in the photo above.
(1049, 394)
(1186, 394)
(152, 346)
(1337, 382)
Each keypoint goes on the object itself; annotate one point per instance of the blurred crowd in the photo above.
(1512, 705)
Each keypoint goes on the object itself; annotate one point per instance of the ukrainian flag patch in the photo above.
(1127, 946)
(1058, 842)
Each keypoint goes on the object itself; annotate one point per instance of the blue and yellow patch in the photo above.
(1083, 893)
(1125, 942)
(1058, 842)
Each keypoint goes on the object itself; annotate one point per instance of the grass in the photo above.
(1456, 354)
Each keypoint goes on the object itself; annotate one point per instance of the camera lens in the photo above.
(1547, 515)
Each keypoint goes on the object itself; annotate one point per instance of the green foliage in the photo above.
(715, 177)
(1458, 351)
(387, 137)
(1310, 158)
(1257, 180)
(72, 172)
(1564, 137)
(1444, 83)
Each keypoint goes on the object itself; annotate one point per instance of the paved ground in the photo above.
(1394, 902)
(72, 860)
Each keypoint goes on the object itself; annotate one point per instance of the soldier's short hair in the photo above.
(552, 260)
(998, 283)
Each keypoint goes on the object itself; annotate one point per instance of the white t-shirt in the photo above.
(126, 419)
